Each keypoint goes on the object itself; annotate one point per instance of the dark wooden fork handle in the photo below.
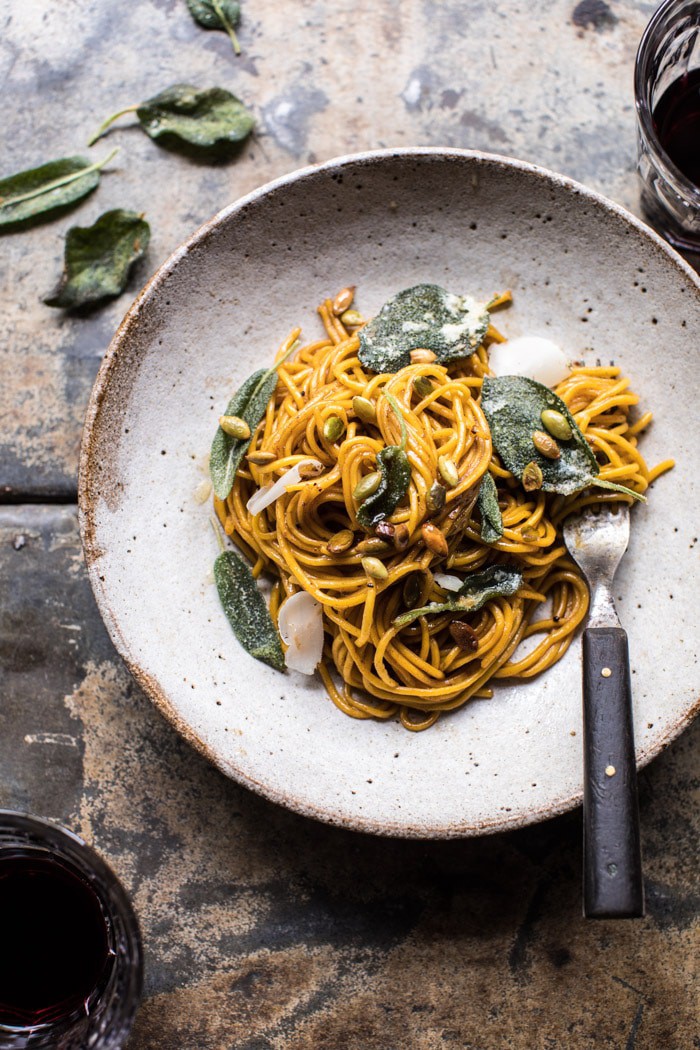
(612, 860)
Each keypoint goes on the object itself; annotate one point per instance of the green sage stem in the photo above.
(63, 181)
(227, 26)
(110, 120)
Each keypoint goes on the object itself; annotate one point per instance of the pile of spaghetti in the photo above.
(310, 538)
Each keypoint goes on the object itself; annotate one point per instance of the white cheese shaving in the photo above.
(269, 493)
(447, 582)
(531, 356)
(300, 625)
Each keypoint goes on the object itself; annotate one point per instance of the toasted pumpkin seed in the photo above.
(367, 486)
(532, 477)
(556, 423)
(423, 386)
(364, 409)
(385, 530)
(352, 318)
(434, 539)
(375, 568)
(546, 445)
(401, 537)
(342, 541)
(259, 459)
(412, 590)
(235, 427)
(333, 428)
(464, 636)
(343, 300)
(435, 500)
(422, 356)
(448, 471)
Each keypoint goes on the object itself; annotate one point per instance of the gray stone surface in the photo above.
(265, 931)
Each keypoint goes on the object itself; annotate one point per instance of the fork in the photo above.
(612, 863)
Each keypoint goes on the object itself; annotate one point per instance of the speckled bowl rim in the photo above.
(87, 523)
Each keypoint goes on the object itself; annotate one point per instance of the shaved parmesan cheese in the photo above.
(531, 356)
(301, 628)
(447, 582)
(269, 493)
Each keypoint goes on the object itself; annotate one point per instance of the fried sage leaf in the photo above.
(249, 403)
(491, 517)
(513, 406)
(423, 317)
(205, 119)
(395, 469)
(208, 120)
(98, 258)
(246, 610)
(496, 581)
(217, 14)
(43, 190)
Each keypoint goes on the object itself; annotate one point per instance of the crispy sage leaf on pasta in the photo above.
(246, 610)
(423, 317)
(395, 469)
(513, 406)
(249, 403)
(48, 188)
(491, 517)
(217, 14)
(496, 581)
(98, 258)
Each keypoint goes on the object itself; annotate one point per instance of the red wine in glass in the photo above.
(54, 938)
(677, 123)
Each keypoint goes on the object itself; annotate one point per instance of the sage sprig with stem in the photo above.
(40, 191)
(204, 119)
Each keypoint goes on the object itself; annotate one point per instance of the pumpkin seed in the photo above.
(422, 356)
(385, 530)
(423, 386)
(259, 459)
(333, 428)
(367, 486)
(352, 318)
(434, 539)
(375, 568)
(464, 636)
(532, 477)
(557, 424)
(343, 300)
(364, 409)
(342, 541)
(412, 590)
(235, 427)
(401, 537)
(435, 500)
(546, 445)
(448, 471)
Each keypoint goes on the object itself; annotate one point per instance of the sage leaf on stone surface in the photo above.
(246, 610)
(47, 189)
(487, 504)
(513, 406)
(209, 120)
(249, 403)
(98, 258)
(423, 317)
(217, 14)
(496, 581)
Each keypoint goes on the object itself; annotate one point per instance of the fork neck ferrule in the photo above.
(602, 611)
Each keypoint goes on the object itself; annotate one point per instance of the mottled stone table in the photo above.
(263, 929)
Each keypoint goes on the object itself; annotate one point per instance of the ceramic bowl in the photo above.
(583, 272)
